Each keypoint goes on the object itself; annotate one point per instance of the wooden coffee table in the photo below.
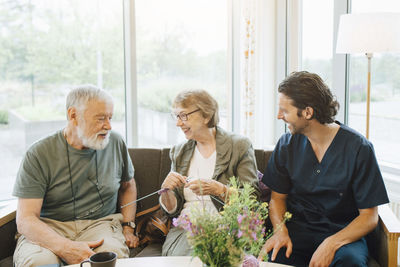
(168, 262)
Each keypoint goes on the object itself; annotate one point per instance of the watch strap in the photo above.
(130, 224)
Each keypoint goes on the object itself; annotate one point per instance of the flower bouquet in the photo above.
(225, 238)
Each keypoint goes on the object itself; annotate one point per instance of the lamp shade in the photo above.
(368, 33)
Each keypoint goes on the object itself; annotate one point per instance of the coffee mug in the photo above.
(102, 259)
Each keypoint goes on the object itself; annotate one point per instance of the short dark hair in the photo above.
(307, 89)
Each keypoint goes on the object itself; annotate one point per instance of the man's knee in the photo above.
(348, 259)
(41, 256)
(354, 254)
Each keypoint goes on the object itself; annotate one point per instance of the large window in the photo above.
(317, 38)
(47, 47)
(385, 91)
(181, 44)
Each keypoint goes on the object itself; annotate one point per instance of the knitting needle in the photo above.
(149, 195)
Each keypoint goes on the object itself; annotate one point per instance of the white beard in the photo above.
(93, 141)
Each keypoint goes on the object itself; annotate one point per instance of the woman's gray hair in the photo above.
(202, 100)
(81, 95)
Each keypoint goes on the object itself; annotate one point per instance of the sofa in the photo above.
(152, 166)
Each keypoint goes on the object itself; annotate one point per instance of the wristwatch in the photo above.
(130, 224)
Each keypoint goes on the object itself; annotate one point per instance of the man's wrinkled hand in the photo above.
(77, 251)
(279, 240)
(131, 240)
(324, 254)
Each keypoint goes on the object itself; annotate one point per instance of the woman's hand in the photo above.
(173, 180)
(206, 187)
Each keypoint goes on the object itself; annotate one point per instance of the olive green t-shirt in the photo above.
(44, 173)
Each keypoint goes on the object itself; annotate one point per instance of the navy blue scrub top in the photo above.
(325, 196)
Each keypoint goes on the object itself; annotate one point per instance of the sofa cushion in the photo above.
(147, 166)
(152, 250)
(7, 262)
(264, 190)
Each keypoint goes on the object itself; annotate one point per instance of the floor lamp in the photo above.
(368, 33)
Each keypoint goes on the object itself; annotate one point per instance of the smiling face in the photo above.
(94, 124)
(297, 123)
(195, 123)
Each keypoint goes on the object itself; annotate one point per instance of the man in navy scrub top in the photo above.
(326, 175)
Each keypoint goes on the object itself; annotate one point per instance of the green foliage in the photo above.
(40, 113)
(58, 45)
(385, 78)
(3, 117)
(46, 47)
(158, 94)
(358, 97)
(361, 96)
(243, 205)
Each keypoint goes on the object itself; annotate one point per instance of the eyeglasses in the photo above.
(182, 116)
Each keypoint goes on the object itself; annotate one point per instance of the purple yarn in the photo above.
(162, 191)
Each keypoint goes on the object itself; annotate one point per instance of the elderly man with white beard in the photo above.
(68, 187)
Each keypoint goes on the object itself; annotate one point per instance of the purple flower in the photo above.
(239, 234)
(183, 221)
(175, 222)
(188, 226)
(240, 218)
(250, 261)
(253, 234)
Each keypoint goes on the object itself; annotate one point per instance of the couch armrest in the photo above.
(389, 236)
(8, 213)
(8, 229)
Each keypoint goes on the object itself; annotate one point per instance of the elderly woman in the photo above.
(201, 166)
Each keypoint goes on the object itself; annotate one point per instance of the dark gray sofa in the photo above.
(152, 166)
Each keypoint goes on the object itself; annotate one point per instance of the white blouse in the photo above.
(200, 167)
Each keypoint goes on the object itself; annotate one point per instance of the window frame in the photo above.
(288, 49)
(340, 75)
(344, 7)
(131, 103)
(131, 90)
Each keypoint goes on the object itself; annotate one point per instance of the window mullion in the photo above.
(131, 102)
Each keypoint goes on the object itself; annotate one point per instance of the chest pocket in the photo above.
(110, 181)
